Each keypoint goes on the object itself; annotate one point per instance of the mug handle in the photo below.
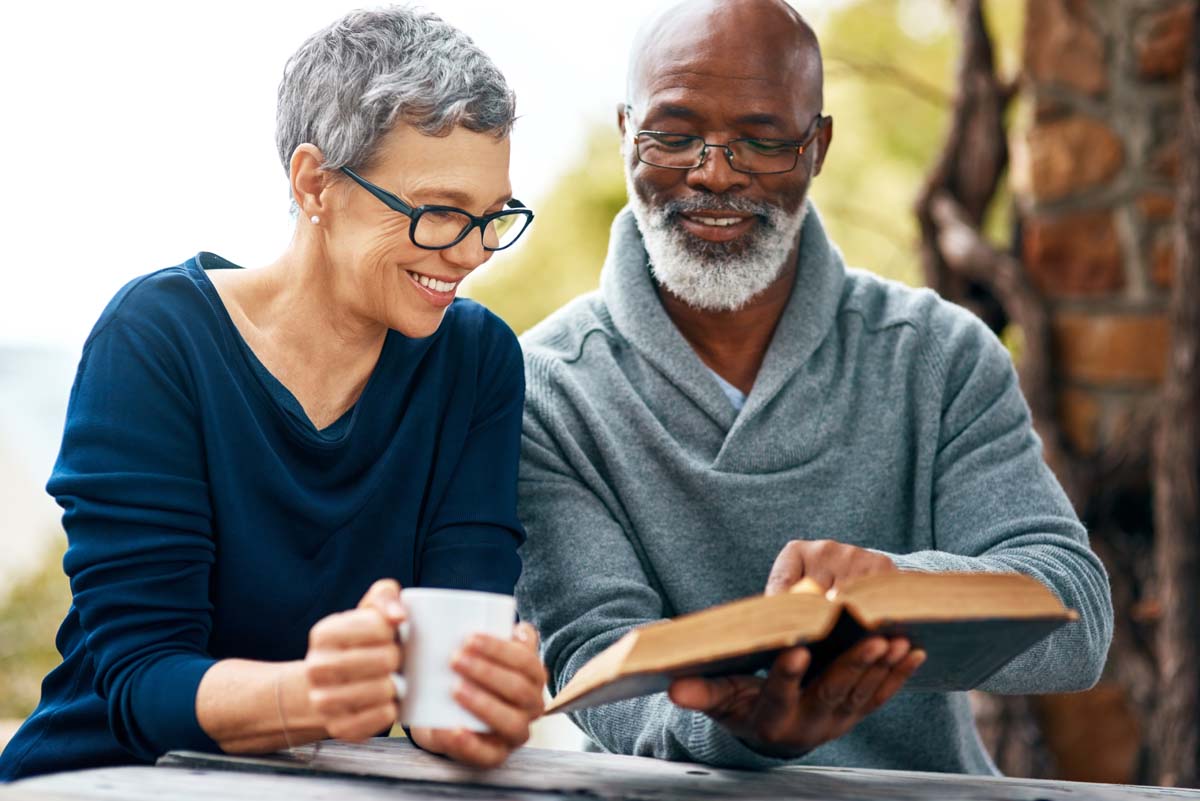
(398, 680)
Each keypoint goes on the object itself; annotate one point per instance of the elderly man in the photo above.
(735, 409)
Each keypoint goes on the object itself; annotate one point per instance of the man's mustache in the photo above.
(673, 208)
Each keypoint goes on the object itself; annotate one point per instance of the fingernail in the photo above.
(920, 657)
(521, 633)
(395, 609)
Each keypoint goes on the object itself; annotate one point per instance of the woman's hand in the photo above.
(351, 658)
(502, 685)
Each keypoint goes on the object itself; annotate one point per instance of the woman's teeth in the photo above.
(433, 283)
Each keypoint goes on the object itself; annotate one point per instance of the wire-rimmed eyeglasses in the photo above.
(757, 156)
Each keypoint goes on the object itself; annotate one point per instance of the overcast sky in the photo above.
(136, 134)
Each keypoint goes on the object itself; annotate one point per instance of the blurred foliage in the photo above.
(29, 617)
(560, 256)
(889, 78)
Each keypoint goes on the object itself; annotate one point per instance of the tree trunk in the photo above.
(1176, 746)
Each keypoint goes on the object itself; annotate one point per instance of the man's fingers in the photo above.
(860, 700)
(789, 567)
(831, 690)
(897, 677)
(779, 701)
(711, 695)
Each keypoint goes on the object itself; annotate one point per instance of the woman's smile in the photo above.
(438, 291)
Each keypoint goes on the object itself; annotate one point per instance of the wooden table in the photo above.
(392, 769)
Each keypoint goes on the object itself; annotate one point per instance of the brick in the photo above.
(1067, 156)
(1046, 109)
(1073, 255)
(1162, 261)
(1161, 42)
(1156, 206)
(1111, 348)
(1063, 46)
(1167, 160)
(1079, 416)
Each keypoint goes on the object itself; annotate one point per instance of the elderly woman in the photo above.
(250, 453)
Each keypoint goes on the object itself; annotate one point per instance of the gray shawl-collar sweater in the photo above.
(882, 416)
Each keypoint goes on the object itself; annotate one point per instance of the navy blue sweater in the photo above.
(207, 518)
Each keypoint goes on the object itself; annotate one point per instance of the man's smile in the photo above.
(717, 226)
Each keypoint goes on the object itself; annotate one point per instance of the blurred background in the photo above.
(1023, 157)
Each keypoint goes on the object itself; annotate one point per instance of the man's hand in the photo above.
(775, 715)
(828, 563)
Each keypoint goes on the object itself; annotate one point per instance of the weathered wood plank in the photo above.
(157, 784)
(608, 776)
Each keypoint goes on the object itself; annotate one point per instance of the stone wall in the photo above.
(1095, 176)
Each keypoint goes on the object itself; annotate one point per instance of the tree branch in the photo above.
(890, 73)
(962, 248)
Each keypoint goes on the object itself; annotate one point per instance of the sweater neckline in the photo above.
(267, 384)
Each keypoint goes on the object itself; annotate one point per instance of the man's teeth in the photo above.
(721, 221)
(433, 283)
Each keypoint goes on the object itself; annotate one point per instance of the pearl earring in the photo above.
(315, 220)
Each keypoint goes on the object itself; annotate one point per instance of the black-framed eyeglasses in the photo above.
(756, 156)
(441, 227)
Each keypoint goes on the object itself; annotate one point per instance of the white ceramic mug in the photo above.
(439, 624)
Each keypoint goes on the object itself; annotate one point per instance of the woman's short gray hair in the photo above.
(352, 82)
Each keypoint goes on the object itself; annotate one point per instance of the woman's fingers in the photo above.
(326, 667)
(358, 627)
(461, 745)
(349, 699)
(509, 722)
(363, 724)
(517, 655)
(477, 750)
(516, 688)
(384, 597)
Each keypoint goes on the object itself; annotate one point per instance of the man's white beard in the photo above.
(715, 276)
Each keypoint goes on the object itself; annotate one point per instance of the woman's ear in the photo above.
(308, 180)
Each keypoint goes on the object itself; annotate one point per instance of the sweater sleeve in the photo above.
(475, 533)
(131, 480)
(998, 507)
(583, 586)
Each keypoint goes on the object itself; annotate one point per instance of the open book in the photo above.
(969, 624)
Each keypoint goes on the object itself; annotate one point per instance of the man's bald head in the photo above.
(763, 39)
